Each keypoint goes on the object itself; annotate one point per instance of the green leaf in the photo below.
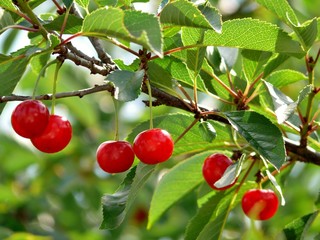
(103, 3)
(5, 19)
(72, 26)
(285, 77)
(83, 3)
(208, 223)
(115, 206)
(68, 3)
(261, 134)
(283, 105)
(8, 5)
(138, 27)
(230, 175)
(177, 70)
(274, 63)
(282, 9)
(207, 131)
(307, 33)
(183, 13)
(297, 229)
(211, 83)
(127, 84)
(175, 184)
(276, 186)
(195, 56)
(146, 28)
(253, 63)
(213, 16)
(203, 215)
(253, 34)
(8, 65)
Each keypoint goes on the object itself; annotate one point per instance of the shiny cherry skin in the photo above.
(115, 156)
(55, 137)
(213, 169)
(30, 118)
(260, 204)
(153, 146)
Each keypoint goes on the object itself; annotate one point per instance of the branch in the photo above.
(307, 155)
(81, 59)
(78, 93)
(303, 154)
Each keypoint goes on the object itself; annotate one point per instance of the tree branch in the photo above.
(307, 155)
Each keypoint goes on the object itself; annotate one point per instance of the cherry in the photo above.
(260, 204)
(30, 118)
(213, 169)
(55, 137)
(153, 146)
(115, 156)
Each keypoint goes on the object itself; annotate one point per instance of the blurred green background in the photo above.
(58, 196)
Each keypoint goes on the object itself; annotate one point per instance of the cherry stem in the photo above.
(54, 90)
(186, 130)
(70, 38)
(20, 28)
(147, 82)
(116, 108)
(64, 20)
(233, 93)
(250, 86)
(187, 96)
(275, 172)
(41, 73)
(60, 9)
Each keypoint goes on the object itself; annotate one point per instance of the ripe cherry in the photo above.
(115, 156)
(213, 169)
(55, 137)
(260, 204)
(153, 146)
(30, 118)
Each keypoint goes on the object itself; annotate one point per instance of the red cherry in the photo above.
(55, 137)
(260, 204)
(30, 118)
(213, 169)
(153, 146)
(115, 156)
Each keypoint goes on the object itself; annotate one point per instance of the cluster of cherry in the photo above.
(51, 133)
(257, 204)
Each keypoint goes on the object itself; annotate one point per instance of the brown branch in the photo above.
(306, 155)
(79, 93)
(303, 154)
(84, 60)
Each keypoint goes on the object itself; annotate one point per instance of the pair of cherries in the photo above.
(151, 147)
(257, 204)
(48, 133)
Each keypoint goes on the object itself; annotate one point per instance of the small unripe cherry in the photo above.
(213, 169)
(153, 146)
(30, 118)
(115, 156)
(260, 204)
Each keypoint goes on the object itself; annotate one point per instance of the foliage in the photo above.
(245, 84)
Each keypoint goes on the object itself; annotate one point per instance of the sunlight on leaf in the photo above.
(298, 228)
(127, 84)
(261, 134)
